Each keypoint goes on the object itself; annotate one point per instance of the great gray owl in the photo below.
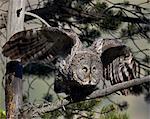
(78, 67)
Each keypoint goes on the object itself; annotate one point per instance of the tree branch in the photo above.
(117, 87)
(48, 107)
(47, 13)
(37, 17)
(42, 12)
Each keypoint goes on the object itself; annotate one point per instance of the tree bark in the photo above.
(15, 17)
(13, 82)
(13, 89)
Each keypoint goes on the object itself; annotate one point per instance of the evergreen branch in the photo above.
(48, 12)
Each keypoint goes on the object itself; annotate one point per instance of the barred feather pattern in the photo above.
(40, 45)
(121, 69)
(113, 61)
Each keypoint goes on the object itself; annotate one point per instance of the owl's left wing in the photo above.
(43, 44)
(118, 63)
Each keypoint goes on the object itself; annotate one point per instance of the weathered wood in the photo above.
(3, 18)
(13, 89)
(13, 82)
(15, 17)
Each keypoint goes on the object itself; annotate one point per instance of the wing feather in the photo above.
(118, 63)
(40, 44)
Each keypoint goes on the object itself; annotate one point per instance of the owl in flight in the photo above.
(78, 67)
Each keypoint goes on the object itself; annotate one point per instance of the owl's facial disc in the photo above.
(88, 75)
(87, 70)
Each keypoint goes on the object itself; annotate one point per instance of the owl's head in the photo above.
(86, 68)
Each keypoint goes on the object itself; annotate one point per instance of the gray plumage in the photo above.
(105, 60)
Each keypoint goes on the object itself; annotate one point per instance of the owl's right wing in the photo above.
(118, 62)
(40, 44)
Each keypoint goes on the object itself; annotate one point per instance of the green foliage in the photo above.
(86, 109)
(100, 6)
(52, 115)
(84, 12)
(134, 30)
(102, 17)
(108, 23)
(111, 112)
(2, 114)
(89, 35)
(85, 105)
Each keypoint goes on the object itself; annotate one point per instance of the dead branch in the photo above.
(48, 107)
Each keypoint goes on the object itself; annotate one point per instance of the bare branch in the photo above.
(48, 107)
(119, 86)
(36, 16)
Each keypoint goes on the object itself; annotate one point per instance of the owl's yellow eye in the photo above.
(85, 69)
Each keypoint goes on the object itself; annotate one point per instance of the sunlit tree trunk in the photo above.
(13, 77)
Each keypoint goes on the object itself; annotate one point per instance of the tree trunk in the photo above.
(13, 89)
(15, 17)
(13, 82)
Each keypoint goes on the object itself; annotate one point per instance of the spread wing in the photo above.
(40, 44)
(118, 63)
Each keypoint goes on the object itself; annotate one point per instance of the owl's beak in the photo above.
(88, 77)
